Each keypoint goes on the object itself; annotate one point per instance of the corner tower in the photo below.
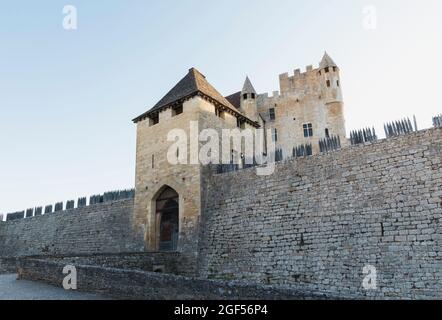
(248, 100)
(331, 92)
(329, 74)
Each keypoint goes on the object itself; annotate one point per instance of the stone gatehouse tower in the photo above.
(168, 201)
(168, 196)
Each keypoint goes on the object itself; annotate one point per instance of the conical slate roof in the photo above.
(327, 61)
(192, 84)
(248, 87)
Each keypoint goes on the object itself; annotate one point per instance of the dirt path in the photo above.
(11, 289)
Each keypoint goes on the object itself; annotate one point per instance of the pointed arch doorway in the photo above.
(167, 217)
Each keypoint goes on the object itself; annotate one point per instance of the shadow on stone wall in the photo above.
(130, 284)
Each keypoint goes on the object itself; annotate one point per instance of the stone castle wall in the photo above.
(135, 284)
(157, 262)
(312, 226)
(101, 228)
(317, 222)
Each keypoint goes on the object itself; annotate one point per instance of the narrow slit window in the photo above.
(272, 114)
(153, 161)
(275, 135)
(328, 83)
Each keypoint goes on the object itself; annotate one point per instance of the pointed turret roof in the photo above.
(248, 87)
(192, 84)
(327, 61)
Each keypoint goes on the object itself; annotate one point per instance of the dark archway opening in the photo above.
(167, 208)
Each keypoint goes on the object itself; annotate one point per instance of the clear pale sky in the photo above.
(67, 97)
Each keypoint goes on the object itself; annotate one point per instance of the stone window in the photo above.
(327, 70)
(245, 96)
(177, 111)
(337, 83)
(308, 130)
(154, 119)
(153, 161)
(328, 83)
(253, 96)
(275, 135)
(334, 69)
(327, 133)
(272, 114)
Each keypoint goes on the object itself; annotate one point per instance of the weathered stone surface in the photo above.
(131, 284)
(315, 223)
(101, 228)
(8, 265)
(310, 227)
(162, 262)
(155, 172)
(312, 97)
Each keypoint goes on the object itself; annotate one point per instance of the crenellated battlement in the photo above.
(82, 202)
(265, 98)
(298, 74)
(313, 81)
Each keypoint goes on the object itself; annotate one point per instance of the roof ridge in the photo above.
(195, 71)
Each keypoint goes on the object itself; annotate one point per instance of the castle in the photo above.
(308, 107)
(168, 198)
(310, 229)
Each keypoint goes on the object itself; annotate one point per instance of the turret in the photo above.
(330, 80)
(332, 96)
(248, 100)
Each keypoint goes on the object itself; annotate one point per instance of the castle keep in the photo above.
(305, 231)
(308, 107)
